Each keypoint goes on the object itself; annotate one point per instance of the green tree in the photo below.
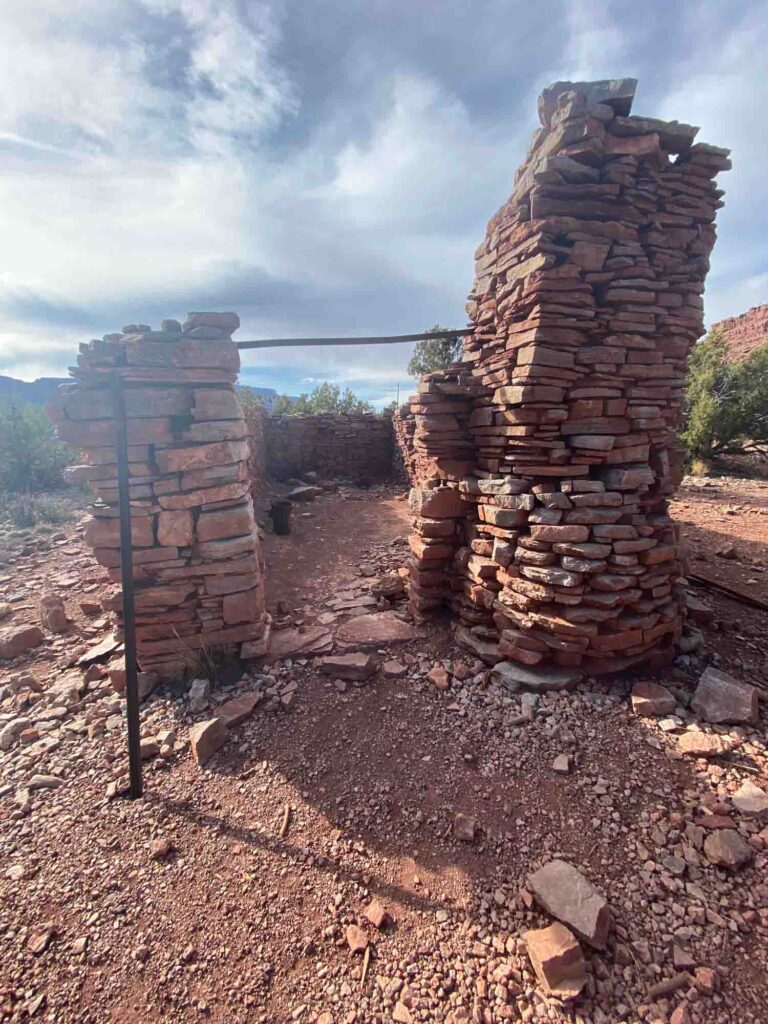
(429, 356)
(324, 398)
(726, 404)
(31, 457)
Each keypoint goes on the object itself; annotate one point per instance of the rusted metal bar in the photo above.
(126, 572)
(386, 339)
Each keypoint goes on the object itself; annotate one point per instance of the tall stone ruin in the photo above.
(542, 462)
(196, 562)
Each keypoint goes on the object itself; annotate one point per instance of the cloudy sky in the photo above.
(321, 168)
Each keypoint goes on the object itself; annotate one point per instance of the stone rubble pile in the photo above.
(557, 547)
(199, 579)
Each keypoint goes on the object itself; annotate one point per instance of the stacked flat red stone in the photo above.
(351, 446)
(199, 582)
(586, 303)
(437, 452)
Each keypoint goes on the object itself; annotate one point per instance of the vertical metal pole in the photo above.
(126, 571)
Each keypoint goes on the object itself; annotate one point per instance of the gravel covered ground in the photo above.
(227, 893)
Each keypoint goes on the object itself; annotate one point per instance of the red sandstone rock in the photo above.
(357, 667)
(567, 383)
(235, 711)
(719, 698)
(650, 699)
(244, 606)
(356, 938)
(16, 640)
(376, 914)
(206, 738)
(189, 469)
(53, 615)
(557, 960)
(566, 894)
(175, 528)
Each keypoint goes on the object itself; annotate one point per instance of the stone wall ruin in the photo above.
(542, 462)
(196, 563)
(352, 446)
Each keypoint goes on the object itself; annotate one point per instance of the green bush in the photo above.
(325, 398)
(27, 510)
(726, 404)
(430, 356)
(31, 458)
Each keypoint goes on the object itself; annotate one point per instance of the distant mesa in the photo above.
(268, 396)
(36, 392)
(745, 332)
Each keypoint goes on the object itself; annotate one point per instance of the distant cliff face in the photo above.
(745, 332)
(38, 392)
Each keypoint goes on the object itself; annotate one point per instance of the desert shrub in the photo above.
(726, 404)
(436, 354)
(325, 398)
(27, 510)
(31, 457)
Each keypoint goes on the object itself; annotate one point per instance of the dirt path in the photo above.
(329, 539)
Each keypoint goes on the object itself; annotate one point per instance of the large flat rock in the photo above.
(287, 643)
(566, 894)
(541, 680)
(720, 698)
(557, 959)
(377, 628)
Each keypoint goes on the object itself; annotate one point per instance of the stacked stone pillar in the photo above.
(199, 579)
(586, 302)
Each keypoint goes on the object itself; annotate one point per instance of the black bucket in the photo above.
(281, 516)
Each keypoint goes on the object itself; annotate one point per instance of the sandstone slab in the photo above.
(566, 894)
(719, 698)
(235, 711)
(557, 959)
(286, 643)
(376, 628)
(206, 738)
(356, 667)
(650, 699)
(751, 800)
(547, 679)
(18, 640)
(703, 744)
(727, 849)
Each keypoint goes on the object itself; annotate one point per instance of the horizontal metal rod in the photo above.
(382, 340)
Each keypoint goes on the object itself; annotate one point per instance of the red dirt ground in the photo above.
(241, 923)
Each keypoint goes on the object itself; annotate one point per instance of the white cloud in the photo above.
(141, 76)
(142, 171)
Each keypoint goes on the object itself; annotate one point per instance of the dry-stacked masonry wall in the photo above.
(353, 446)
(543, 462)
(199, 577)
